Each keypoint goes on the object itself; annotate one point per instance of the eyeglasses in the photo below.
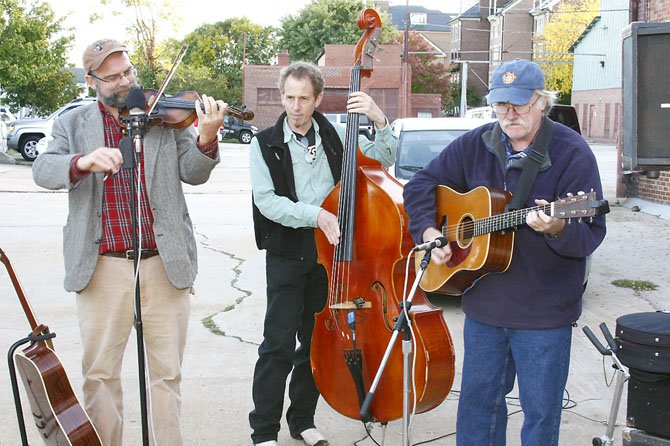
(502, 108)
(116, 78)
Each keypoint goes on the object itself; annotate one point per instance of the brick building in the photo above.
(470, 47)
(596, 85)
(384, 85)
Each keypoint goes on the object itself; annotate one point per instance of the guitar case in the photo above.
(643, 341)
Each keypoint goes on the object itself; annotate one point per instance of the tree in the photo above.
(326, 21)
(428, 76)
(149, 56)
(564, 28)
(33, 57)
(222, 48)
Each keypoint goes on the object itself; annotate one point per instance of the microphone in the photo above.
(136, 102)
(136, 121)
(126, 147)
(427, 246)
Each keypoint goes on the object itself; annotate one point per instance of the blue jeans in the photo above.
(493, 357)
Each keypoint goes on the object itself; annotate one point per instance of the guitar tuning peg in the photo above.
(569, 194)
(581, 192)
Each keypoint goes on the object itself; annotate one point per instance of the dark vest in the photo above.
(272, 236)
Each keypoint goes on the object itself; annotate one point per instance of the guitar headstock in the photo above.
(580, 206)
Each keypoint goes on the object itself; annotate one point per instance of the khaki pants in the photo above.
(106, 312)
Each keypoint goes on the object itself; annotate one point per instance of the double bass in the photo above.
(366, 273)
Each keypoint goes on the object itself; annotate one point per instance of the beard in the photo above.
(116, 98)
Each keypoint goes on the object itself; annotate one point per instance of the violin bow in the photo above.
(175, 64)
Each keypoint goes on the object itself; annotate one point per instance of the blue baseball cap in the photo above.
(514, 82)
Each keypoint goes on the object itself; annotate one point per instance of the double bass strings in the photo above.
(340, 274)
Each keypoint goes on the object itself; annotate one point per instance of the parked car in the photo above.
(365, 127)
(23, 134)
(422, 139)
(236, 128)
(6, 115)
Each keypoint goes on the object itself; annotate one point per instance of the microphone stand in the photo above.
(400, 325)
(136, 123)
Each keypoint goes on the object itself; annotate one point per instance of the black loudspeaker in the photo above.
(646, 96)
(649, 402)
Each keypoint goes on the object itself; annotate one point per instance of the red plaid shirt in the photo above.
(116, 213)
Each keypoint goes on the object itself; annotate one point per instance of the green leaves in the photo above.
(33, 57)
(325, 21)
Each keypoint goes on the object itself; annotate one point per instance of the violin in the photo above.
(178, 111)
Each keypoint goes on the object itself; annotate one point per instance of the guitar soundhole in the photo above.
(465, 232)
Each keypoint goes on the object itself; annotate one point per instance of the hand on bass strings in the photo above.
(360, 102)
(104, 159)
(439, 256)
(327, 222)
(541, 222)
(210, 119)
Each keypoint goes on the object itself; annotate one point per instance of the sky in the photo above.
(194, 13)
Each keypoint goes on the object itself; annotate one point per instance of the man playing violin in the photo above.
(294, 166)
(84, 158)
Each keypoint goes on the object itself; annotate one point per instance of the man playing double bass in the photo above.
(85, 159)
(294, 166)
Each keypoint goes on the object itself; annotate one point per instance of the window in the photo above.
(418, 18)
(269, 96)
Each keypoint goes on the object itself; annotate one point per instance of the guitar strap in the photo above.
(532, 165)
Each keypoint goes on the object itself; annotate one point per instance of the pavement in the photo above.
(229, 303)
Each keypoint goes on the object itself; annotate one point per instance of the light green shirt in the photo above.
(313, 180)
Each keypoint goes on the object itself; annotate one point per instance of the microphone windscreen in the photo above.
(136, 99)
(126, 147)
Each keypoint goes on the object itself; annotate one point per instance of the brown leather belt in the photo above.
(130, 254)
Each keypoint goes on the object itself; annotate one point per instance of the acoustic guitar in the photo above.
(481, 234)
(57, 413)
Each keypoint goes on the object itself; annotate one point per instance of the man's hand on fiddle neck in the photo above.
(210, 119)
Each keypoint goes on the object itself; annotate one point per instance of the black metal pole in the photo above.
(129, 147)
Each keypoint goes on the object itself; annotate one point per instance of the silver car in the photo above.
(23, 134)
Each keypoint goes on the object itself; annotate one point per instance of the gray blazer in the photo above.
(170, 157)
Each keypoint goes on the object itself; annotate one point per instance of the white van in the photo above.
(422, 139)
(480, 113)
(365, 127)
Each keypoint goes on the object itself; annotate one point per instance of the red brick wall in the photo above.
(603, 114)
(427, 103)
(384, 83)
(657, 190)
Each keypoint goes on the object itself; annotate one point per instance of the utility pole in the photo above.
(464, 88)
(405, 67)
(245, 35)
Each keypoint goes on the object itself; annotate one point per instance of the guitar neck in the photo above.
(508, 220)
(19, 291)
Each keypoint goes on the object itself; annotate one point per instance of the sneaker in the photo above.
(313, 437)
(267, 443)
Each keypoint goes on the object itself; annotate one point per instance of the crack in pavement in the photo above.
(208, 322)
